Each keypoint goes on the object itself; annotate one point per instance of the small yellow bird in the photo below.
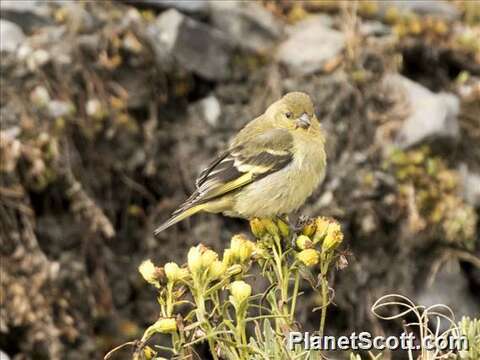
(270, 168)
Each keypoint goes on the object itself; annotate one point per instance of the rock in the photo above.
(40, 96)
(431, 116)
(310, 46)
(134, 84)
(57, 108)
(374, 28)
(4, 356)
(451, 288)
(471, 186)
(438, 8)
(11, 36)
(249, 24)
(28, 14)
(208, 108)
(197, 47)
(187, 6)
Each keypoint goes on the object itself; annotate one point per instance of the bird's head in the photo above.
(294, 111)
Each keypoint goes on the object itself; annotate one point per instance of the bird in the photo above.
(273, 164)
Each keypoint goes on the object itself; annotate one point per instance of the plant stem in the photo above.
(324, 304)
(200, 301)
(295, 294)
(324, 264)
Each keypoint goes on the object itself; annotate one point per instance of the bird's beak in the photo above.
(303, 121)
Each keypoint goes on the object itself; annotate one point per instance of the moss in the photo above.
(435, 192)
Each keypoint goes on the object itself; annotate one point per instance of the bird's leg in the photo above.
(301, 222)
(294, 226)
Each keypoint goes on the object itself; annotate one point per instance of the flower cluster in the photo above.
(321, 233)
(210, 299)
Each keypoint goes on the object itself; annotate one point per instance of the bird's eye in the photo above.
(289, 115)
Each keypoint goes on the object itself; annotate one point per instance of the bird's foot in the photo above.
(300, 223)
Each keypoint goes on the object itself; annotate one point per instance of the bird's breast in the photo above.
(287, 189)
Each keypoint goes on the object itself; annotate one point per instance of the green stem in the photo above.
(169, 299)
(283, 280)
(295, 294)
(325, 259)
(200, 301)
(324, 304)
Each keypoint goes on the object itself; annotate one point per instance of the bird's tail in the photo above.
(177, 217)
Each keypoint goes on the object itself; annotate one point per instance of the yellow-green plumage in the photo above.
(270, 168)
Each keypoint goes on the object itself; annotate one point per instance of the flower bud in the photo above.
(208, 257)
(194, 259)
(240, 291)
(321, 226)
(148, 352)
(309, 228)
(237, 242)
(174, 272)
(241, 248)
(257, 227)
(270, 226)
(246, 251)
(217, 269)
(149, 272)
(303, 242)
(228, 257)
(260, 253)
(283, 227)
(309, 257)
(165, 325)
(333, 239)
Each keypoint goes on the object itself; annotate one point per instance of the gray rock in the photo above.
(249, 24)
(471, 186)
(310, 46)
(450, 287)
(431, 116)
(209, 110)
(374, 28)
(58, 108)
(438, 8)
(187, 6)
(4, 356)
(28, 14)
(11, 36)
(197, 47)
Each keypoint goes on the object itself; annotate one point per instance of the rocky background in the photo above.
(110, 109)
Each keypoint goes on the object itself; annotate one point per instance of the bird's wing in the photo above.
(242, 164)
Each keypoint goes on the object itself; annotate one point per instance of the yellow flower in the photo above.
(270, 226)
(303, 242)
(321, 224)
(309, 257)
(208, 257)
(240, 291)
(217, 269)
(148, 352)
(228, 257)
(174, 272)
(260, 253)
(237, 242)
(149, 272)
(194, 259)
(165, 326)
(257, 227)
(309, 228)
(333, 239)
(241, 247)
